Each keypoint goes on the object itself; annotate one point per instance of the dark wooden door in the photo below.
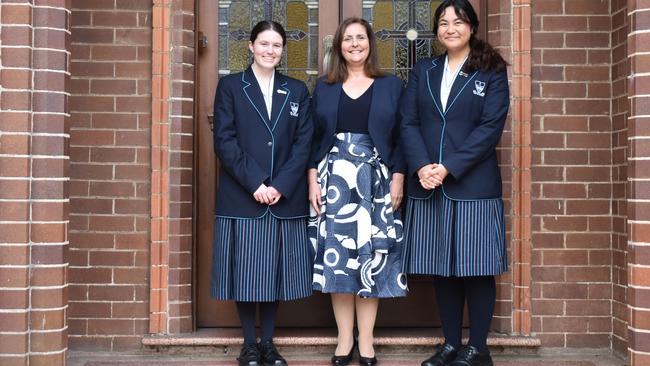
(404, 35)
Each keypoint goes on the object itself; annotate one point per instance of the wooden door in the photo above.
(404, 35)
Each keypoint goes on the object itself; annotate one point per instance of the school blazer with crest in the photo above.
(253, 149)
(463, 138)
(383, 120)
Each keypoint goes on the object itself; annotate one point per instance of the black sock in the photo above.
(450, 297)
(268, 310)
(481, 296)
(247, 312)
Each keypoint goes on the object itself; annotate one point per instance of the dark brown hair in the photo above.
(482, 56)
(337, 70)
(265, 25)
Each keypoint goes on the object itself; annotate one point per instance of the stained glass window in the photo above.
(404, 32)
(300, 20)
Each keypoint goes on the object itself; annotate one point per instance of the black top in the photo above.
(353, 113)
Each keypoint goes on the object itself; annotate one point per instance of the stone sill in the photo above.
(325, 337)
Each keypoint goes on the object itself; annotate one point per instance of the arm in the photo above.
(414, 149)
(399, 164)
(233, 158)
(286, 177)
(318, 132)
(485, 137)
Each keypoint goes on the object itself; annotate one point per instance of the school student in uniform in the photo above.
(262, 136)
(453, 114)
(356, 180)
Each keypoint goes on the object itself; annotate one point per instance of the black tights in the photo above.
(247, 311)
(480, 292)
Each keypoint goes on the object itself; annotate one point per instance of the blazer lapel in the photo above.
(280, 96)
(461, 82)
(434, 78)
(254, 93)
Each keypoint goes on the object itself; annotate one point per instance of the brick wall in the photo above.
(620, 71)
(572, 175)
(34, 76)
(638, 208)
(498, 32)
(110, 170)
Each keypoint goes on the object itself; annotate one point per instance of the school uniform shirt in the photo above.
(255, 149)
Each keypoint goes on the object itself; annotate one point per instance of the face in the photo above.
(355, 45)
(453, 32)
(267, 49)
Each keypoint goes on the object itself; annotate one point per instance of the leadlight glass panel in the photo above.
(300, 20)
(404, 32)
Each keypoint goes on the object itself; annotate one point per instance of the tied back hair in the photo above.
(482, 56)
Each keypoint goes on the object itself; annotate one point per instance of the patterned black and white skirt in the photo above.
(447, 237)
(261, 259)
(357, 236)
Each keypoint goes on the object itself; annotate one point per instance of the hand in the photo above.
(397, 190)
(273, 195)
(260, 194)
(440, 173)
(428, 180)
(314, 191)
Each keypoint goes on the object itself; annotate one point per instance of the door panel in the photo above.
(403, 29)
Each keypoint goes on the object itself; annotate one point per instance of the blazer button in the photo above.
(269, 144)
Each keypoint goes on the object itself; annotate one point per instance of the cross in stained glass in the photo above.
(411, 34)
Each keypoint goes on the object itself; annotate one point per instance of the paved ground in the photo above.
(224, 356)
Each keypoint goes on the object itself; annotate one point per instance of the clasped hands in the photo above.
(267, 195)
(432, 175)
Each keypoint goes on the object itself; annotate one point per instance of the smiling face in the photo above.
(267, 49)
(355, 45)
(453, 32)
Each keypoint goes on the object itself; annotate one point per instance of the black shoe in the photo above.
(470, 356)
(445, 353)
(343, 360)
(270, 355)
(367, 361)
(249, 356)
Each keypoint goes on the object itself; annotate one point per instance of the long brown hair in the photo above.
(482, 56)
(337, 70)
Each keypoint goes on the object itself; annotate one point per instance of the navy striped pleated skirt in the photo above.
(447, 237)
(261, 259)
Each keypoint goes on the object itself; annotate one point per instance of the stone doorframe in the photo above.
(173, 75)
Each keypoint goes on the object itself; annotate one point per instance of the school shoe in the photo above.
(445, 353)
(249, 355)
(344, 360)
(470, 356)
(270, 355)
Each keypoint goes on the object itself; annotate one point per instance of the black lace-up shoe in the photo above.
(445, 353)
(270, 355)
(249, 355)
(470, 356)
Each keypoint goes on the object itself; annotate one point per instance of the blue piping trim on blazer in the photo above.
(283, 105)
(444, 125)
(267, 211)
(265, 124)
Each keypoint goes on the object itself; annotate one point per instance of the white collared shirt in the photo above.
(267, 92)
(448, 79)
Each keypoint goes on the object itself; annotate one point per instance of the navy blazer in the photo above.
(254, 149)
(383, 120)
(463, 138)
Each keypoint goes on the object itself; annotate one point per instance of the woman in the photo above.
(355, 188)
(453, 113)
(262, 134)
